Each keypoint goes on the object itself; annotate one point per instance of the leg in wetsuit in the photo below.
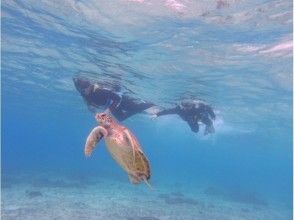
(209, 125)
(193, 123)
(205, 115)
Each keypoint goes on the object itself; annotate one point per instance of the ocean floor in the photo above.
(78, 196)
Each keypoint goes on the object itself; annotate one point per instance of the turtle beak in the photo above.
(97, 117)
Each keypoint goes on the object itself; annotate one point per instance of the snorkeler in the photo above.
(97, 95)
(193, 112)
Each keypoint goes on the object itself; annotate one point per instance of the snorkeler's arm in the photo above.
(115, 101)
(86, 95)
(170, 111)
(90, 106)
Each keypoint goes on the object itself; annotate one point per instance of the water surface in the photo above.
(235, 55)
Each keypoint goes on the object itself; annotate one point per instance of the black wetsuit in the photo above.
(193, 112)
(121, 106)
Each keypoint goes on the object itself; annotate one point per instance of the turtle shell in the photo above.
(126, 151)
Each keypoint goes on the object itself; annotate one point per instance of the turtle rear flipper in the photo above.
(135, 179)
(142, 165)
(140, 171)
(139, 165)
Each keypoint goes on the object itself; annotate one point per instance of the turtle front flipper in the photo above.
(94, 137)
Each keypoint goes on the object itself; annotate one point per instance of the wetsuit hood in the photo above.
(82, 85)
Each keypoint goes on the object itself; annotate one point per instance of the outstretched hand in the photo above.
(107, 111)
(154, 116)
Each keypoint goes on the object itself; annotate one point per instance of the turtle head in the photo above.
(104, 119)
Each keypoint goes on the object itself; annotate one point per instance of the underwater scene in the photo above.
(146, 110)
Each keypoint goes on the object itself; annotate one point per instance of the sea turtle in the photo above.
(122, 145)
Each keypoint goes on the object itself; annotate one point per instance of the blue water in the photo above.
(235, 55)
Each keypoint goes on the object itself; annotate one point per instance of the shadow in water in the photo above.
(236, 196)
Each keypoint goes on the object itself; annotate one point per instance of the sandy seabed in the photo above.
(77, 197)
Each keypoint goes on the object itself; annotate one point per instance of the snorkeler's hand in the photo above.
(107, 111)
